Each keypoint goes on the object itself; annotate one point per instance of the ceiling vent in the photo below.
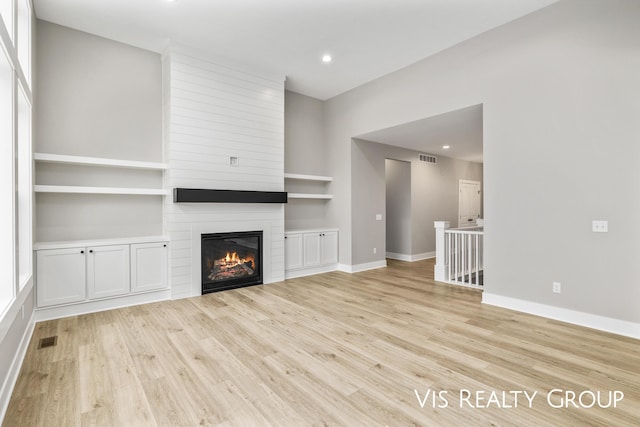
(427, 158)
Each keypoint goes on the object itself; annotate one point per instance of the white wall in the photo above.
(214, 110)
(559, 89)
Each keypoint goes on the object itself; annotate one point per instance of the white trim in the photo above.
(309, 196)
(594, 321)
(14, 369)
(86, 307)
(99, 190)
(411, 258)
(99, 242)
(97, 161)
(357, 268)
(292, 274)
(307, 177)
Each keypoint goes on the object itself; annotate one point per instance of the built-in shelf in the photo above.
(99, 190)
(99, 242)
(96, 161)
(309, 196)
(307, 177)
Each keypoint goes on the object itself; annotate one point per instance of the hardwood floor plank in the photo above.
(334, 349)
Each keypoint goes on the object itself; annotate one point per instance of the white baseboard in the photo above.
(292, 274)
(411, 258)
(602, 323)
(357, 268)
(100, 305)
(16, 365)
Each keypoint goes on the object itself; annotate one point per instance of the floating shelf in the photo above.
(96, 161)
(309, 196)
(99, 190)
(307, 177)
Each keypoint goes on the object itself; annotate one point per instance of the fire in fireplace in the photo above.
(231, 260)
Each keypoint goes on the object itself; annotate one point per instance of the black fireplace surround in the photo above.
(231, 260)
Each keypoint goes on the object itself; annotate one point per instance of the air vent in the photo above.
(428, 158)
(47, 342)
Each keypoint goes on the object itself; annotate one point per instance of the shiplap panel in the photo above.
(216, 110)
(211, 112)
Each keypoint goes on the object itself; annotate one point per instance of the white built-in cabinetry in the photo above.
(72, 273)
(79, 276)
(309, 179)
(310, 252)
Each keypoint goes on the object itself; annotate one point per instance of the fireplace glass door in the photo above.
(231, 260)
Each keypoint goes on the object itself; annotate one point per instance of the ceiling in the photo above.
(367, 38)
(460, 129)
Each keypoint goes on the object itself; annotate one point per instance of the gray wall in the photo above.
(96, 98)
(559, 90)
(398, 206)
(304, 154)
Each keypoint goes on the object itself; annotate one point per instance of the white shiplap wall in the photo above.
(214, 110)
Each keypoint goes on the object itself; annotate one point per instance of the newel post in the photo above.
(441, 259)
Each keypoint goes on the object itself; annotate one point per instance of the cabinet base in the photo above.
(57, 312)
(292, 274)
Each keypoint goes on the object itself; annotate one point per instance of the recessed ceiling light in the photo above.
(327, 58)
(445, 147)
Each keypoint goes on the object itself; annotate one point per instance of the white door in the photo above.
(148, 266)
(311, 249)
(329, 247)
(60, 276)
(469, 197)
(293, 251)
(108, 271)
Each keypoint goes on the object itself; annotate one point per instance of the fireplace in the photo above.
(231, 260)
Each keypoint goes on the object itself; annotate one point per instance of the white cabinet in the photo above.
(293, 251)
(61, 276)
(96, 271)
(312, 248)
(148, 266)
(310, 252)
(329, 247)
(107, 271)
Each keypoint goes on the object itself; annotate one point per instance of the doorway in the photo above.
(398, 209)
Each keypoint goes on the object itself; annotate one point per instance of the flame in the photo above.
(233, 259)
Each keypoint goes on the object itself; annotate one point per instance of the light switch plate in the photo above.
(378, 217)
(598, 226)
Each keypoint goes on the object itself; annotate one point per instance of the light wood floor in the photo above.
(333, 349)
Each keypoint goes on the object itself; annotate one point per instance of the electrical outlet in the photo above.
(557, 287)
(378, 217)
(375, 250)
(600, 226)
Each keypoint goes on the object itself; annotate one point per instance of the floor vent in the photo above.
(428, 158)
(47, 342)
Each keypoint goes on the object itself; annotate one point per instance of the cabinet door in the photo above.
(107, 271)
(293, 251)
(60, 276)
(148, 266)
(312, 249)
(329, 241)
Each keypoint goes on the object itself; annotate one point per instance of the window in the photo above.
(24, 193)
(7, 269)
(16, 182)
(6, 10)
